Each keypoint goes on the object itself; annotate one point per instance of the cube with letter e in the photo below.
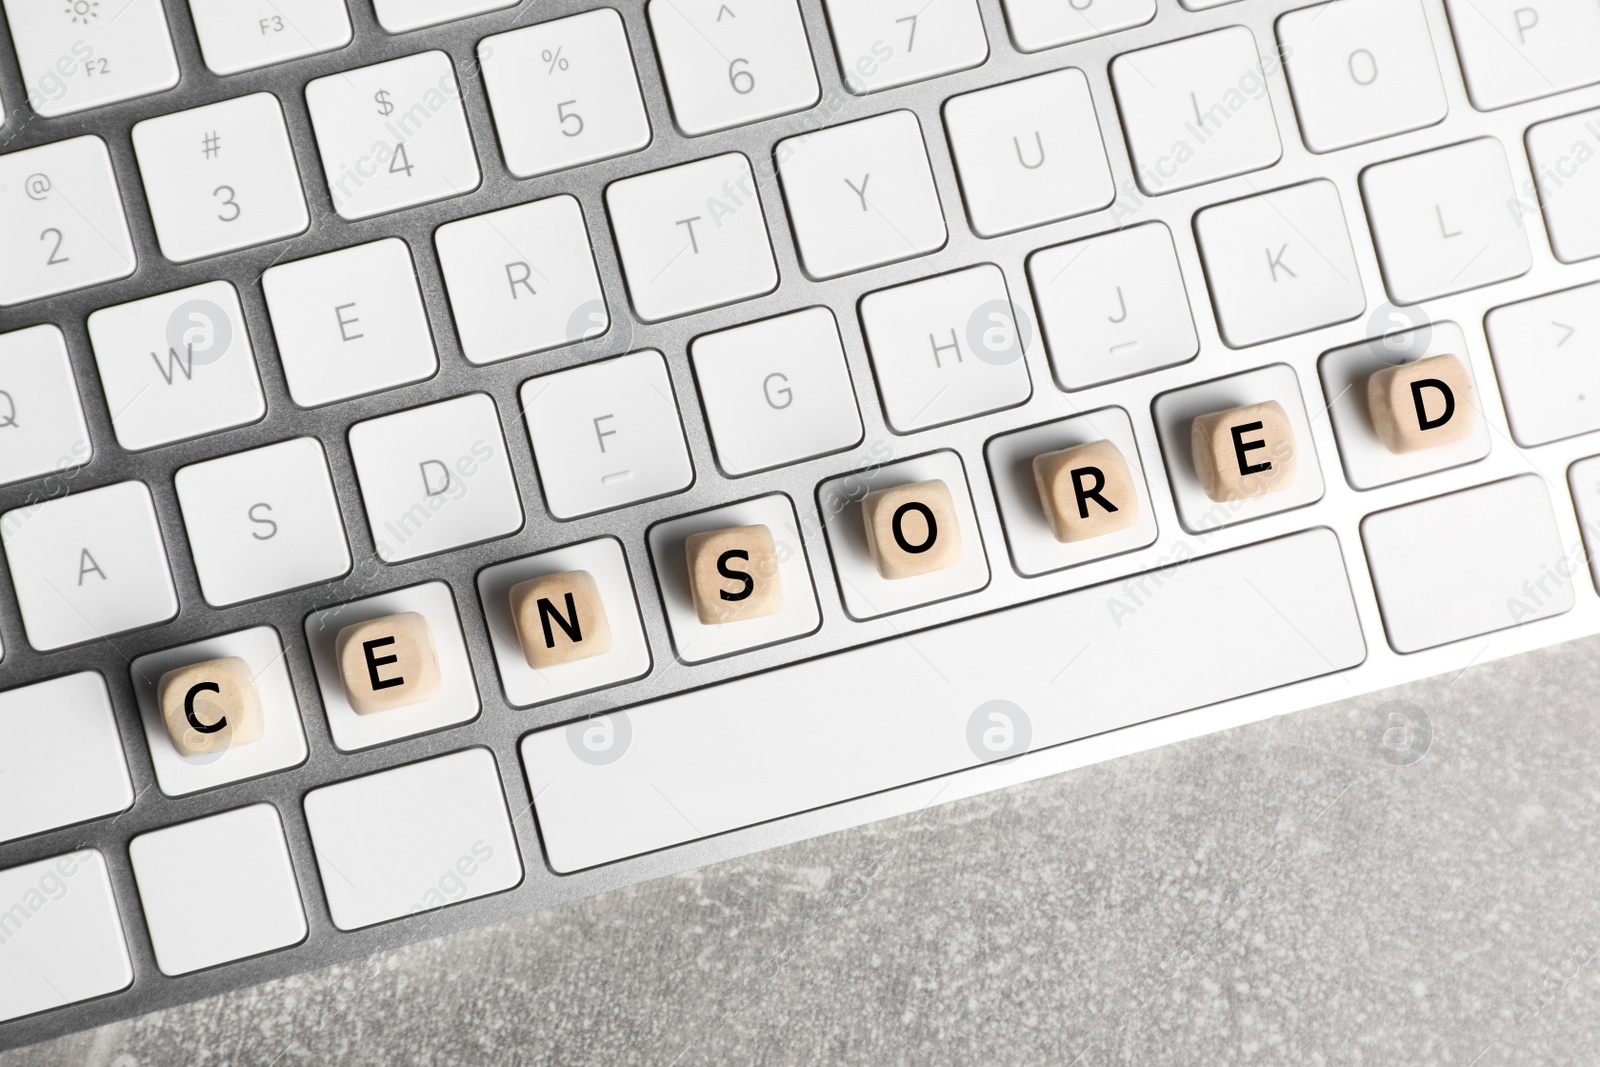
(1244, 452)
(387, 663)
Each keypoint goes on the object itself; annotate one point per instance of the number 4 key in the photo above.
(393, 135)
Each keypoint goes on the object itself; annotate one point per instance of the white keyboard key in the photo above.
(1037, 24)
(728, 64)
(863, 587)
(1361, 70)
(763, 746)
(436, 477)
(887, 44)
(692, 237)
(282, 743)
(455, 701)
(413, 838)
(1516, 50)
(1469, 563)
(1204, 5)
(1280, 264)
(64, 940)
(1345, 373)
(1029, 152)
(521, 279)
(220, 177)
(350, 322)
(176, 366)
(88, 566)
(237, 861)
(1440, 221)
(629, 655)
(564, 93)
(606, 434)
(262, 521)
(1583, 477)
(1196, 110)
(1113, 306)
(1547, 357)
(41, 418)
(1175, 413)
(235, 37)
(86, 54)
(61, 220)
(946, 348)
(62, 762)
(393, 135)
(398, 16)
(1030, 528)
(1569, 188)
(861, 195)
(776, 391)
(785, 575)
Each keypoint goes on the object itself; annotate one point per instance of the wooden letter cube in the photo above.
(560, 618)
(1423, 404)
(210, 707)
(1086, 491)
(1244, 452)
(733, 574)
(912, 529)
(387, 663)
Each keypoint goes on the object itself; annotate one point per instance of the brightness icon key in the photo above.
(220, 177)
(79, 54)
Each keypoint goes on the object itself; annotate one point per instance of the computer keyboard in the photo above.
(460, 457)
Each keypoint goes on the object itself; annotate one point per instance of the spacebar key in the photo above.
(872, 718)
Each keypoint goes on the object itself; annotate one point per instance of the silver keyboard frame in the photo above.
(499, 726)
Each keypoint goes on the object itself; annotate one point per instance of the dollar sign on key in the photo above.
(384, 106)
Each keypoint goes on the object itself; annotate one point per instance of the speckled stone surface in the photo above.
(1278, 894)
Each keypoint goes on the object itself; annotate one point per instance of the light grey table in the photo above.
(1278, 894)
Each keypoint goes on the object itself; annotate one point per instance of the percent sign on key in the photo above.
(555, 59)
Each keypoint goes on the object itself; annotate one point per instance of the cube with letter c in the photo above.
(210, 707)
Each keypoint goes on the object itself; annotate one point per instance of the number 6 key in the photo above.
(732, 62)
